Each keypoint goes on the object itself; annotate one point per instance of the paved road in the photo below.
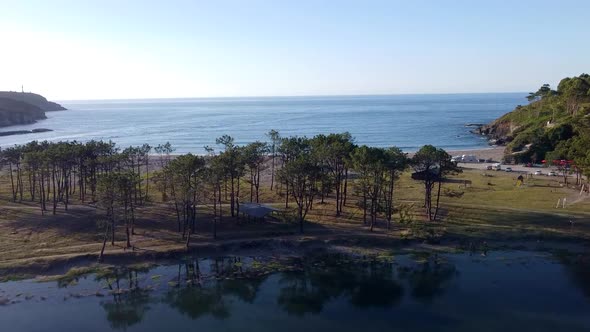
(515, 168)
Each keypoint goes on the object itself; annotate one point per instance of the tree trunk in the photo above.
(345, 189)
(215, 212)
(372, 214)
(12, 182)
(104, 243)
(147, 177)
(272, 172)
(390, 199)
(127, 234)
(188, 240)
(42, 194)
(301, 219)
(251, 185)
(194, 218)
(19, 182)
(66, 185)
(437, 200)
(287, 195)
(364, 208)
(232, 197)
(132, 207)
(220, 206)
(257, 184)
(428, 200)
(112, 226)
(53, 192)
(338, 198)
(138, 192)
(177, 214)
(31, 186)
(237, 199)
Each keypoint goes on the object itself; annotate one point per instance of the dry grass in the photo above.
(491, 208)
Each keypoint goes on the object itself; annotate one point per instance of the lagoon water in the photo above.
(407, 121)
(503, 291)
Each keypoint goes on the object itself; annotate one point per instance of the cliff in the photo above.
(14, 112)
(18, 108)
(33, 99)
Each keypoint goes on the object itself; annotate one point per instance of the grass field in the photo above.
(492, 209)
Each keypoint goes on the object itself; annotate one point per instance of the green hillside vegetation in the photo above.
(554, 125)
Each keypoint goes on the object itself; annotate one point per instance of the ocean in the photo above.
(406, 121)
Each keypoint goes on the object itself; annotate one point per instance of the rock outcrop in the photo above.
(22, 132)
(33, 99)
(17, 108)
(13, 112)
(498, 132)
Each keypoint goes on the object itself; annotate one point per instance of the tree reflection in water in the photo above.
(128, 305)
(198, 296)
(196, 301)
(364, 284)
(406, 292)
(578, 269)
(209, 287)
(429, 278)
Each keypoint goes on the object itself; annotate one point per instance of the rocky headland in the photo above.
(19, 108)
(554, 125)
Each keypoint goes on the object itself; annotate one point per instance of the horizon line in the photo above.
(294, 96)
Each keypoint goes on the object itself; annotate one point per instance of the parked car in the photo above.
(538, 172)
(552, 173)
(469, 159)
(508, 169)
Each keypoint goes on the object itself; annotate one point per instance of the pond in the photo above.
(509, 291)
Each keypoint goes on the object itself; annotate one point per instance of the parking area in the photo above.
(515, 168)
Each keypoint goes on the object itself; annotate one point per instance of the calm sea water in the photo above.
(407, 121)
(504, 291)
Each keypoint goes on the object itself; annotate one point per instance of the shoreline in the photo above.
(496, 153)
(495, 149)
(361, 245)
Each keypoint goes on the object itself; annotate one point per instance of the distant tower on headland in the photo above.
(22, 89)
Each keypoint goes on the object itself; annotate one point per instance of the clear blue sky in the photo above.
(142, 49)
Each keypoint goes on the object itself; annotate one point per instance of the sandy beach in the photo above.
(495, 153)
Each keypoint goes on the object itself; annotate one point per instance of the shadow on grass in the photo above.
(505, 225)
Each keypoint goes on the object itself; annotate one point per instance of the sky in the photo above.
(119, 49)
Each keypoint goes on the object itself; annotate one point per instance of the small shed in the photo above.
(257, 210)
(422, 175)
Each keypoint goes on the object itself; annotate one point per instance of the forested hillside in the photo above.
(555, 125)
